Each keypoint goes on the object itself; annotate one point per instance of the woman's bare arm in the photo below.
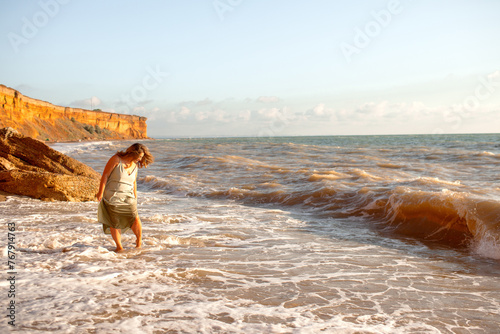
(135, 188)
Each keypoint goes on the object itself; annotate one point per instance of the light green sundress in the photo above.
(118, 207)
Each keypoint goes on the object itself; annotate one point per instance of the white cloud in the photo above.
(194, 103)
(374, 109)
(373, 117)
(268, 99)
(185, 111)
(89, 103)
(494, 76)
(272, 114)
(319, 110)
(204, 102)
(244, 115)
(320, 113)
(386, 111)
(220, 115)
(201, 116)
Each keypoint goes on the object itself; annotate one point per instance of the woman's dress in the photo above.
(118, 207)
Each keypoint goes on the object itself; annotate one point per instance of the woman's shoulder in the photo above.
(114, 160)
(110, 165)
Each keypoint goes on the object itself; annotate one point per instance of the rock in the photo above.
(31, 168)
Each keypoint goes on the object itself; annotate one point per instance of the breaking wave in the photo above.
(427, 208)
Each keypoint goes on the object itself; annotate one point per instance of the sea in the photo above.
(335, 234)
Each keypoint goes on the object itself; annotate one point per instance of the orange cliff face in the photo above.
(45, 121)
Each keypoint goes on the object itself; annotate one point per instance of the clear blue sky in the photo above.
(249, 68)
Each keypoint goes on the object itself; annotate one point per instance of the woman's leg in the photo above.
(137, 229)
(116, 233)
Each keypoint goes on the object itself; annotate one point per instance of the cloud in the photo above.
(194, 103)
(221, 116)
(201, 116)
(204, 102)
(248, 118)
(244, 115)
(494, 76)
(268, 99)
(86, 103)
(272, 114)
(320, 112)
(369, 113)
(185, 111)
(373, 109)
(385, 110)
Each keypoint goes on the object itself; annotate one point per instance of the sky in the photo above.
(209, 68)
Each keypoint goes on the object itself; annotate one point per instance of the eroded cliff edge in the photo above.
(47, 122)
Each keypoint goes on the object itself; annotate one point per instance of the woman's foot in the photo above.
(118, 250)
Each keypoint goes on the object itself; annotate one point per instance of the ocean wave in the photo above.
(390, 165)
(488, 154)
(432, 191)
(171, 184)
(82, 147)
(329, 175)
(426, 181)
(452, 217)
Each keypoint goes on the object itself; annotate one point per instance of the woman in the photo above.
(117, 193)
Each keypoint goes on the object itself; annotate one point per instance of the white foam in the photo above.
(487, 246)
(80, 147)
(279, 275)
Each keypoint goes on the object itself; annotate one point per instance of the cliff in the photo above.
(48, 122)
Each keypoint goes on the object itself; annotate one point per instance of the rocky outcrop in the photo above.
(29, 167)
(48, 122)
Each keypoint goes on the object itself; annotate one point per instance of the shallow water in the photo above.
(281, 235)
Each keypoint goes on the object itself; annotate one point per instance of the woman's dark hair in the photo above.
(135, 151)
